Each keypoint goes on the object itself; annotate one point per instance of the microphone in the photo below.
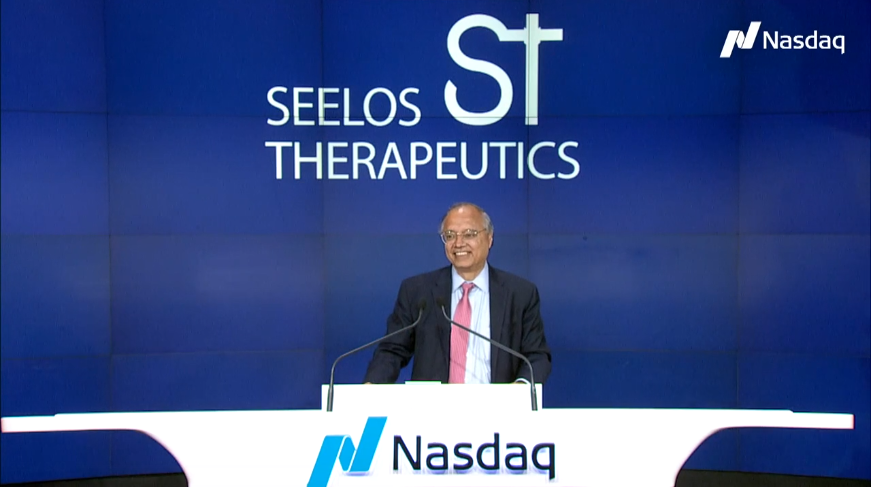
(421, 306)
(533, 391)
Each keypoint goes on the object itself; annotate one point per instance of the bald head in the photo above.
(468, 235)
(470, 208)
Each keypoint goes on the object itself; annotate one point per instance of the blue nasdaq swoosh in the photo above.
(341, 447)
(367, 445)
(324, 463)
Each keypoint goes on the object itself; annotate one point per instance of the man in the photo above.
(497, 304)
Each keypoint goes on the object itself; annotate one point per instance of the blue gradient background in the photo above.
(714, 251)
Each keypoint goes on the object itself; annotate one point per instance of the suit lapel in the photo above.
(442, 292)
(499, 303)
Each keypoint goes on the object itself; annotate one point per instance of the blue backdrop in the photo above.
(712, 251)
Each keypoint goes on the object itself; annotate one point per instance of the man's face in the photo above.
(468, 255)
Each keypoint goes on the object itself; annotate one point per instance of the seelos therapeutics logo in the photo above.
(743, 41)
(340, 447)
(776, 41)
(344, 157)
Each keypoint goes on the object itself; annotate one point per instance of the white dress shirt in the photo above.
(478, 351)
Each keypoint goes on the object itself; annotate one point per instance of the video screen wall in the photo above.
(205, 203)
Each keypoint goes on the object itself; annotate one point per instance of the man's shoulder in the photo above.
(510, 280)
(428, 278)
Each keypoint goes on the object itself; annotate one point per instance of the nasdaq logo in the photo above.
(737, 38)
(341, 447)
(773, 40)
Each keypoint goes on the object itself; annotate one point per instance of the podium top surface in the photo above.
(435, 396)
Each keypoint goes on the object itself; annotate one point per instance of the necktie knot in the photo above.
(467, 286)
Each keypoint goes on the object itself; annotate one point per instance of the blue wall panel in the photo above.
(216, 293)
(175, 57)
(53, 174)
(643, 379)
(55, 385)
(805, 293)
(53, 56)
(55, 296)
(805, 173)
(637, 293)
(184, 175)
(216, 381)
(639, 175)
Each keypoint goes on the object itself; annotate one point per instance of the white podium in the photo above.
(431, 435)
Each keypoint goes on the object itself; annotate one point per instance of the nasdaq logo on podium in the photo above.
(342, 448)
(468, 457)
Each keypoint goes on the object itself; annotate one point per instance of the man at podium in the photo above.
(501, 306)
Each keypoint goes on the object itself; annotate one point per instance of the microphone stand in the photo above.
(421, 307)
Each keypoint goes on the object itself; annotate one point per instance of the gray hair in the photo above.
(489, 227)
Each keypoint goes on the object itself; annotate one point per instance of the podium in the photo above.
(426, 434)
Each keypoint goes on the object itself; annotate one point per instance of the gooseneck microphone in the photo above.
(533, 390)
(421, 306)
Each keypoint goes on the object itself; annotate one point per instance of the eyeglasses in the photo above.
(449, 236)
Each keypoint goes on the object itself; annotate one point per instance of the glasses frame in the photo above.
(467, 235)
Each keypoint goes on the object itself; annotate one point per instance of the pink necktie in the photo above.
(460, 338)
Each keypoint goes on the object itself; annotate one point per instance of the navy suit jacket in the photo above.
(515, 323)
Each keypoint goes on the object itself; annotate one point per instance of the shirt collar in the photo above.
(481, 281)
